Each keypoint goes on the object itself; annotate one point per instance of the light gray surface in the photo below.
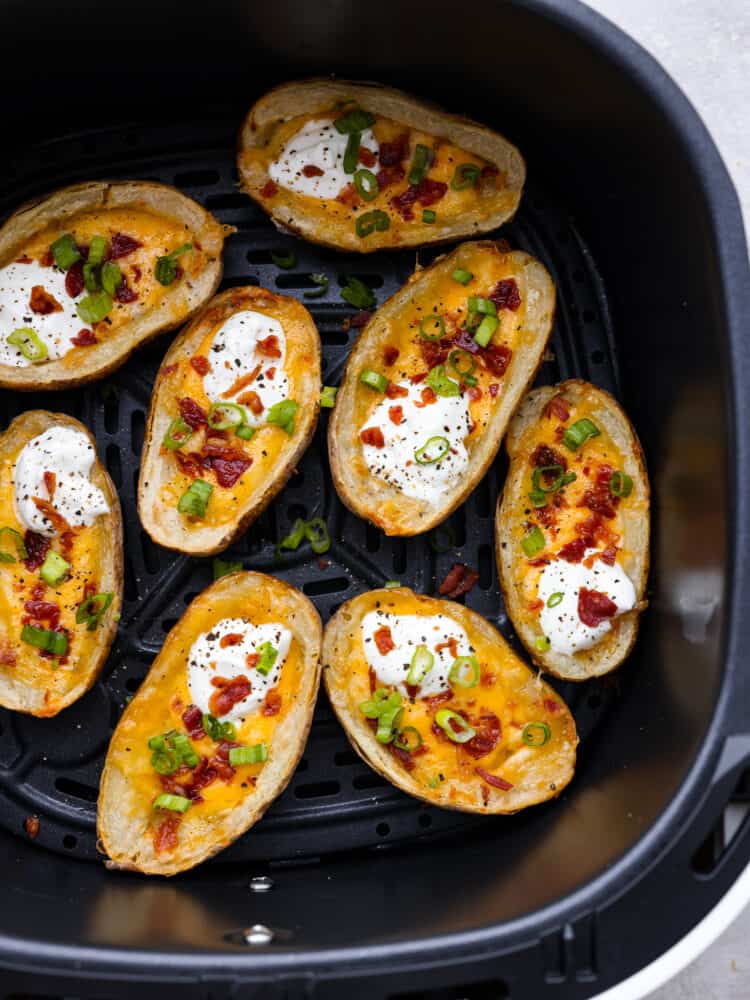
(705, 46)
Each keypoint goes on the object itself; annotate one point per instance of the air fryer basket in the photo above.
(630, 208)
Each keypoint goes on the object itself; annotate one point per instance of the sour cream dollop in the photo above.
(317, 144)
(68, 454)
(207, 659)
(447, 418)
(561, 623)
(55, 329)
(408, 632)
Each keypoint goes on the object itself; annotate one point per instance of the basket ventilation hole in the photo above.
(485, 989)
(345, 758)
(364, 782)
(730, 824)
(317, 790)
(316, 588)
(219, 202)
(597, 357)
(382, 829)
(196, 178)
(76, 789)
(425, 820)
(69, 841)
(133, 683)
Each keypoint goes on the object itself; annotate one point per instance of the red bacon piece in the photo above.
(465, 341)
(125, 293)
(74, 280)
(367, 157)
(488, 735)
(590, 530)
(193, 414)
(594, 607)
(609, 555)
(450, 644)
(229, 693)
(310, 170)
(269, 346)
(389, 175)
(121, 245)
(55, 518)
(360, 319)
(84, 338)
(31, 826)
(434, 352)
(505, 294)
(253, 400)
(42, 611)
(573, 551)
(192, 717)
(435, 701)
(165, 834)
(392, 153)
(230, 639)
(403, 203)
(557, 407)
(228, 470)
(459, 581)
(241, 382)
(396, 414)
(544, 455)
(272, 703)
(268, 190)
(493, 779)
(7, 656)
(496, 358)
(430, 192)
(201, 364)
(384, 640)
(50, 482)
(348, 195)
(394, 391)
(428, 396)
(599, 498)
(372, 436)
(42, 303)
(37, 547)
(390, 355)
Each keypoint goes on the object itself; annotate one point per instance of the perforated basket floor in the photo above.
(51, 768)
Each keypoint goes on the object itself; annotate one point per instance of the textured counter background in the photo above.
(705, 46)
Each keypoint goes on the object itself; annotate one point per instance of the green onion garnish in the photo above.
(165, 270)
(464, 672)
(216, 730)
(16, 541)
(555, 599)
(536, 734)
(542, 643)
(224, 416)
(421, 664)
(44, 638)
(194, 500)
(111, 277)
(175, 803)
(421, 162)
(351, 155)
(461, 276)
(455, 727)
(54, 568)
(29, 343)
(484, 306)
(97, 250)
(65, 252)
(389, 722)
(294, 539)
(579, 432)
(91, 277)
(245, 432)
(164, 761)
(486, 330)
(316, 532)
(178, 434)
(354, 121)
(409, 738)
(257, 754)
(282, 415)
(322, 282)
(432, 450)
(428, 216)
(224, 568)
(432, 327)
(392, 584)
(328, 397)
(268, 655)
(620, 484)
(466, 175)
(285, 259)
(374, 380)
(533, 541)
(357, 293)
(465, 374)
(91, 610)
(370, 222)
(95, 307)
(366, 184)
(381, 699)
(439, 382)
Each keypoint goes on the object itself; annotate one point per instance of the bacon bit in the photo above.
(459, 581)
(389, 175)
(310, 170)
(201, 364)
(84, 338)
(590, 530)
(125, 293)
(7, 656)
(435, 701)
(193, 719)
(464, 340)
(419, 377)
(226, 469)
(253, 400)
(573, 551)
(505, 295)
(190, 464)
(396, 414)
(496, 358)
(558, 407)
(221, 760)
(121, 245)
(42, 611)
(599, 498)
(492, 779)
(241, 382)
(594, 607)
(372, 679)
(55, 518)
(136, 271)
(390, 354)
(272, 703)
(551, 706)
(24, 260)
(544, 455)
(488, 735)
(348, 195)
(394, 391)
(269, 346)
(403, 756)
(42, 303)
(50, 482)
(165, 835)
(270, 372)
(37, 547)
(31, 826)
(230, 639)
(367, 156)
(404, 202)
(373, 436)
(429, 192)
(193, 414)
(539, 561)
(169, 370)
(474, 393)
(229, 693)
(609, 555)
(47, 259)
(392, 153)
(384, 640)
(428, 396)
(268, 190)
(433, 352)
(494, 387)
(251, 660)
(323, 563)
(486, 677)
(536, 605)
(360, 319)
(450, 644)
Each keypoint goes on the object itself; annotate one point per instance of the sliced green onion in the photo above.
(95, 307)
(410, 742)
(165, 270)
(484, 306)
(533, 541)
(392, 584)
(421, 162)
(461, 276)
(257, 754)
(579, 432)
(322, 282)
(620, 484)
(224, 416)
(464, 671)
(421, 664)
(91, 610)
(282, 415)
(351, 155)
(316, 532)
(97, 250)
(548, 470)
(357, 293)
(175, 803)
(381, 701)
(65, 252)
(432, 327)
(178, 434)
(157, 743)
(91, 277)
(536, 734)
(164, 761)
(184, 749)
(245, 432)
(216, 730)
(268, 655)
(389, 723)
(354, 121)
(374, 380)
(555, 599)
(194, 500)
(111, 277)
(439, 382)
(29, 343)
(285, 259)
(294, 539)
(16, 540)
(224, 568)
(432, 450)
(465, 374)
(486, 330)
(370, 222)
(366, 184)
(542, 643)
(466, 175)
(328, 397)
(46, 639)
(455, 727)
(428, 216)
(54, 568)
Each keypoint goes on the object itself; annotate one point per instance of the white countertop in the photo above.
(705, 46)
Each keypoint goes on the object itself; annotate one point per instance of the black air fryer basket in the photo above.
(356, 889)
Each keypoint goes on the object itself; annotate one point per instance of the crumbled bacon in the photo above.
(599, 498)
(228, 693)
(360, 319)
(31, 826)
(558, 407)
(404, 203)
(551, 706)
(394, 391)
(125, 293)
(464, 340)
(193, 720)
(392, 153)
(253, 400)
(492, 779)
(488, 732)
(41, 611)
(42, 303)
(427, 192)
(121, 245)
(37, 547)
(505, 294)
(494, 388)
(573, 551)
(384, 640)
(450, 644)
(272, 703)
(372, 436)
(390, 354)
(190, 464)
(268, 190)
(52, 515)
(230, 639)
(436, 700)
(50, 483)
(396, 414)
(169, 370)
(251, 660)
(389, 175)
(241, 382)
(594, 607)
(227, 464)
(543, 455)
(165, 834)
(591, 530)
(201, 364)
(193, 414)
(367, 157)
(609, 555)
(25, 259)
(7, 656)
(474, 393)
(74, 280)
(459, 581)
(434, 352)
(84, 338)
(310, 170)
(419, 377)
(269, 346)
(486, 677)
(496, 358)
(428, 395)
(348, 195)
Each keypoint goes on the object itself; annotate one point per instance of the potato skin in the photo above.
(613, 649)
(20, 697)
(175, 307)
(165, 528)
(122, 837)
(363, 493)
(307, 96)
(337, 651)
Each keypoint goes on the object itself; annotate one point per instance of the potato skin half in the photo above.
(317, 94)
(614, 647)
(339, 645)
(14, 694)
(365, 494)
(176, 306)
(165, 525)
(122, 836)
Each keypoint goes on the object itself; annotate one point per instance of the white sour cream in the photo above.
(317, 144)
(561, 624)
(55, 329)
(234, 353)
(448, 417)
(408, 632)
(207, 659)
